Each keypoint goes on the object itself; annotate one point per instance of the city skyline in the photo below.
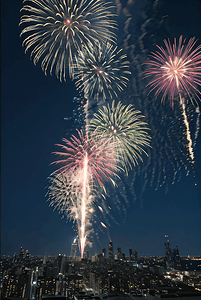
(33, 110)
(111, 251)
(99, 276)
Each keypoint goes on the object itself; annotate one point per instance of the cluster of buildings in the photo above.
(103, 256)
(104, 275)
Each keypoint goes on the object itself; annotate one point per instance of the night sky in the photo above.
(33, 108)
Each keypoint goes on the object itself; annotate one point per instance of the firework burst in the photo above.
(62, 194)
(122, 125)
(175, 70)
(101, 71)
(101, 163)
(66, 196)
(85, 163)
(57, 28)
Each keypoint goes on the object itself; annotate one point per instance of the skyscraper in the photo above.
(135, 255)
(21, 256)
(168, 251)
(110, 250)
(45, 258)
(169, 256)
(73, 250)
(176, 258)
(119, 255)
(104, 252)
(130, 254)
(27, 254)
(60, 262)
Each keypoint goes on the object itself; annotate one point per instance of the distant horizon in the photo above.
(96, 253)
(52, 255)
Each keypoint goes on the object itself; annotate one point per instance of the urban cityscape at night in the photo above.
(101, 150)
(110, 274)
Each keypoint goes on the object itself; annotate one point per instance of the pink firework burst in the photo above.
(175, 70)
(101, 163)
(85, 161)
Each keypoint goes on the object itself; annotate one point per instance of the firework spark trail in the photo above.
(103, 225)
(169, 151)
(176, 70)
(83, 206)
(188, 133)
(100, 72)
(166, 156)
(197, 125)
(86, 162)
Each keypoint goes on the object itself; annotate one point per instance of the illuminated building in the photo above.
(34, 280)
(135, 255)
(21, 256)
(168, 253)
(27, 254)
(45, 259)
(73, 250)
(173, 258)
(176, 258)
(104, 252)
(61, 259)
(119, 254)
(46, 286)
(17, 286)
(110, 250)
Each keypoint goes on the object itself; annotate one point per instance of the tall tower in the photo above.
(130, 254)
(110, 250)
(135, 255)
(176, 258)
(119, 255)
(21, 253)
(27, 256)
(73, 250)
(104, 252)
(168, 253)
(33, 283)
(45, 258)
(60, 261)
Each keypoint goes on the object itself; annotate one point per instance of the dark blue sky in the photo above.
(33, 107)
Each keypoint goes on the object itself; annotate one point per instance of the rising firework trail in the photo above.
(86, 163)
(83, 206)
(56, 30)
(177, 71)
